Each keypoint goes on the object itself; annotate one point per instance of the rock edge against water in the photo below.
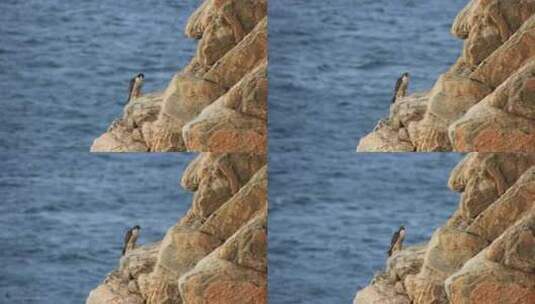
(485, 102)
(217, 253)
(218, 102)
(485, 252)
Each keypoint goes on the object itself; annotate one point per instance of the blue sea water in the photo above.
(65, 65)
(63, 217)
(333, 65)
(332, 216)
(64, 70)
(64, 73)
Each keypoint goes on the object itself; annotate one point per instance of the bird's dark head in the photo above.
(402, 227)
(406, 74)
(137, 227)
(141, 76)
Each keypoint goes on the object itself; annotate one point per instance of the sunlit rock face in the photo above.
(485, 101)
(218, 102)
(216, 253)
(485, 252)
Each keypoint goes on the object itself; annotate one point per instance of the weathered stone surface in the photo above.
(508, 209)
(484, 102)
(216, 178)
(503, 121)
(232, 44)
(250, 200)
(446, 252)
(429, 134)
(408, 261)
(248, 246)
(113, 293)
(393, 134)
(177, 111)
(425, 288)
(388, 286)
(516, 247)
(120, 139)
(380, 294)
(122, 285)
(242, 58)
(408, 109)
(481, 281)
(236, 121)
(509, 57)
(126, 134)
(483, 178)
(235, 272)
(384, 140)
(486, 25)
(450, 98)
(485, 252)
(197, 236)
(219, 245)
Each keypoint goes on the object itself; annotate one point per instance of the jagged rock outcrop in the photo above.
(216, 253)
(387, 287)
(485, 253)
(231, 273)
(218, 103)
(503, 272)
(486, 99)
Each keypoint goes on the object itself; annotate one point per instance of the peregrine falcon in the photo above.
(401, 87)
(134, 89)
(397, 241)
(130, 238)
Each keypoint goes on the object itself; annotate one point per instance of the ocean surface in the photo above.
(65, 65)
(333, 66)
(64, 72)
(63, 217)
(332, 217)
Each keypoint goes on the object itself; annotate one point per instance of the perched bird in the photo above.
(134, 89)
(397, 241)
(130, 238)
(401, 87)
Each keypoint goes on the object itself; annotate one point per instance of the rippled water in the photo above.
(333, 65)
(332, 217)
(65, 65)
(64, 72)
(63, 218)
(64, 69)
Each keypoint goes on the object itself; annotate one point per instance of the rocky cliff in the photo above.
(486, 100)
(218, 102)
(217, 253)
(485, 252)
